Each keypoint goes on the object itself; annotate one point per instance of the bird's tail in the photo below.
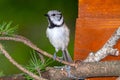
(66, 56)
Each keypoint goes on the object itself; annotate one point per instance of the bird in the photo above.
(58, 34)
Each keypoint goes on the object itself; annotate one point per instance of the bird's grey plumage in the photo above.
(58, 33)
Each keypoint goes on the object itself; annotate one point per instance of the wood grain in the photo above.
(97, 21)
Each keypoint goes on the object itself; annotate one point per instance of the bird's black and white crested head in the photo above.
(55, 18)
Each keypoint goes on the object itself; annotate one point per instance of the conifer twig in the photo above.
(18, 65)
(27, 42)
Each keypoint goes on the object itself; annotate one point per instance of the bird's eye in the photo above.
(53, 14)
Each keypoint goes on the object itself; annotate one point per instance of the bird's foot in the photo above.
(54, 56)
(67, 68)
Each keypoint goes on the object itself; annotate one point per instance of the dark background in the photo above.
(29, 15)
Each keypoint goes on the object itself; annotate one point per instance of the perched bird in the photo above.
(58, 33)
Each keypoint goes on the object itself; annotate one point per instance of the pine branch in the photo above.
(27, 42)
(7, 29)
(18, 65)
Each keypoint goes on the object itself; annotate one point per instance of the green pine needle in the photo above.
(36, 65)
(7, 28)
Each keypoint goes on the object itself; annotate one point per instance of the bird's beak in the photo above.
(46, 15)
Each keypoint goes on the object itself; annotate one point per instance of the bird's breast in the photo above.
(57, 36)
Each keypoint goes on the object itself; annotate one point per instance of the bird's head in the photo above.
(55, 17)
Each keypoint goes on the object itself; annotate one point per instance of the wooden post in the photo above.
(97, 21)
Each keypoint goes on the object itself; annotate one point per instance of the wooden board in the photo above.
(97, 21)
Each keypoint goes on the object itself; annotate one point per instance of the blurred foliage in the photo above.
(1, 74)
(32, 24)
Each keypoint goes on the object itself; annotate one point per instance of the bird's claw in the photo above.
(68, 71)
(54, 56)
